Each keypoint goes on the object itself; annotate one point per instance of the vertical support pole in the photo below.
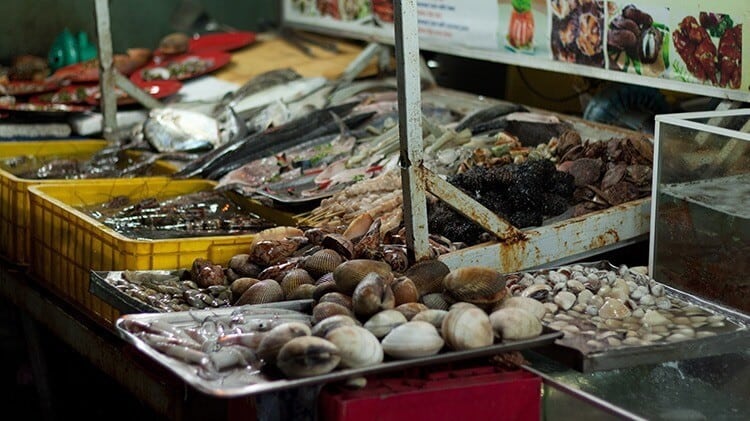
(106, 69)
(410, 128)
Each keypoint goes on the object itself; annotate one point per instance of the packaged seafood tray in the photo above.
(616, 317)
(244, 381)
(14, 196)
(67, 243)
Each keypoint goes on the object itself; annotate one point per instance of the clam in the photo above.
(265, 291)
(359, 226)
(565, 299)
(240, 285)
(325, 310)
(654, 318)
(371, 296)
(348, 274)
(277, 337)
(409, 310)
(338, 298)
(456, 306)
(613, 308)
(477, 285)
(276, 233)
(322, 262)
(539, 292)
(324, 288)
(302, 292)
(293, 279)
(382, 323)
(322, 328)
(242, 266)
(467, 328)
(404, 291)
(357, 346)
(339, 244)
(431, 316)
(396, 258)
(428, 276)
(529, 304)
(435, 301)
(412, 340)
(307, 356)
(515, 323)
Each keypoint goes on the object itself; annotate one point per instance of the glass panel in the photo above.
(702, 219)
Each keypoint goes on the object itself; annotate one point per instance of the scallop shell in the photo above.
(359, 226)
(477, 285)
(240, 285)
(515, 323)
(467, 328)
(293, 279)
(435, 301)
(322, 328)
(404, 291)
(324, 310)
(413, 340)
(431, 316)
(614, 309)
(278, 336)
(302, 292)
(428, 276)
(265, 291)
(409, 310)
(307, 356)
(338, 298)
(339, 244)
(371, 296)
(322, 262)
(529, 304)
(357, 346)
(382, 323)
(348, 274)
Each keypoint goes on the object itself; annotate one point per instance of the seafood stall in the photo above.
(334, 241)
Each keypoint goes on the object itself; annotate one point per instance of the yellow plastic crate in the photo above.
(14, 196)
(67, 244)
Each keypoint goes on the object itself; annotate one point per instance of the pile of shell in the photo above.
(176, 291)
(598, 309)
(364, 313)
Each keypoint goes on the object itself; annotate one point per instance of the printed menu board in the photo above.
(692, 41)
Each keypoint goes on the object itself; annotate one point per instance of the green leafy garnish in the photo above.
(358, 177)
(521, 5)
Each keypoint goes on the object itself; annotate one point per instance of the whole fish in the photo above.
(171, 130)
(286, 92)
(487, 114)
(259, 83)
(290, 130)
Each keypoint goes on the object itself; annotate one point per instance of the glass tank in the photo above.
(700, 216)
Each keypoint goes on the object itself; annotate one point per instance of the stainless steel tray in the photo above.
(124, 303)
(734, 336)
(240, 382)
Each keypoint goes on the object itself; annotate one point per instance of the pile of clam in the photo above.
(598, 309)
(363, 312)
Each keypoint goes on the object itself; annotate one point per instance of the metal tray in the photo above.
(124, 303)
(240, 383)
(732, 337)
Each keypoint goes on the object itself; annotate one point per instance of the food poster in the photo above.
(638, 38)
(707, 45)
(468, 23)
(577, 31)
(522, 27)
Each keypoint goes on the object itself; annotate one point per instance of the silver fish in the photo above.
(171, 130)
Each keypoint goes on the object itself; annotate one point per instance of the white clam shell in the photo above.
(515, 324)
(357, 346)
(382, 323)
(565, 299)
(613, 308)
(307, 356)
(432, 316)
(412, 340)
(529, 304)
(467, 328)
(277, 337)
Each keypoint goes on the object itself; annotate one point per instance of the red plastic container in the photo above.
(465, 394)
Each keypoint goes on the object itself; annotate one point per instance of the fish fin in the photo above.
(238, 123)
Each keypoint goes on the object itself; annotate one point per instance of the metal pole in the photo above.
(106, 70)
(410, 128)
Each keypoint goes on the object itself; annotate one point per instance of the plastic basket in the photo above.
(14, 195)
(67, 244)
